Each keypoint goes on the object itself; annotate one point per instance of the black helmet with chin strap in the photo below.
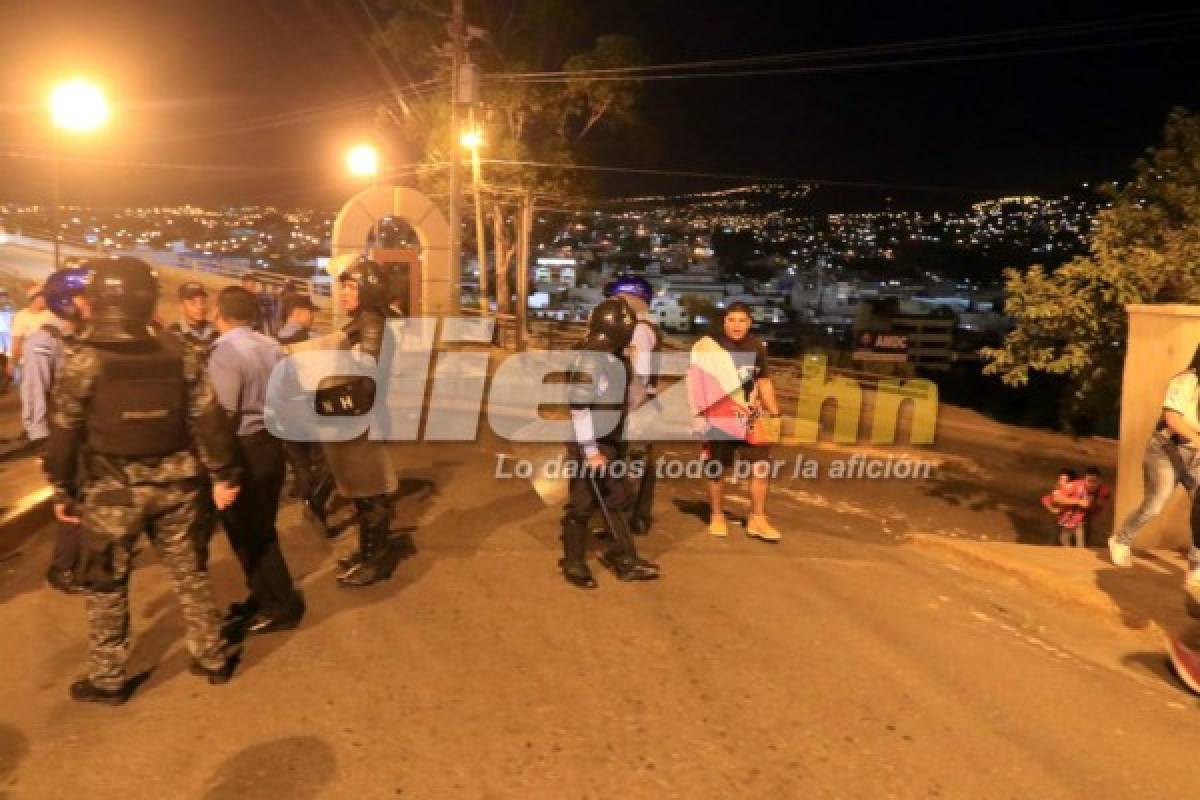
(122, 293)
(610, 326)
(374, 289)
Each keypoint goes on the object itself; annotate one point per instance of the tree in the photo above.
(734, 249)
(550, 121)
(1145, 248)
(699, 306)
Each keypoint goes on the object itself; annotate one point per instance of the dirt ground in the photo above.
(839, 663)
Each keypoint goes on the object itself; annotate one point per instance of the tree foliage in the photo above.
(550, 123)
(1145, 248)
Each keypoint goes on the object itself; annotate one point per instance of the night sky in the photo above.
(187, 72)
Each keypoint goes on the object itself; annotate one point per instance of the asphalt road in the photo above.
(839, 663)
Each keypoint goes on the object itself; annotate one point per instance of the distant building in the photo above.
(556, 272)
(670, 314)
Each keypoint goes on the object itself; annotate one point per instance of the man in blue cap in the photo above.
(193, 325)
(45, 349)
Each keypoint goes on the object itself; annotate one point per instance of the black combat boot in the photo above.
(622, 557)
(63, 580)
(629, 568)
(222, 674)
(574, 561)
(84, 691)
(373, 561)
(316, 505)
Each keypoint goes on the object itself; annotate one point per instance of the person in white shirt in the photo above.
(1172, 459)
(26, 321)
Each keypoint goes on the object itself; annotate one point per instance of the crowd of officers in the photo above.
(161, 431)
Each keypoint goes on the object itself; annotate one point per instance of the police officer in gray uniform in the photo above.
(196, 330)
(314, 484)
(45, 350)
(240, 367)
(361, 468)
(140, 406)
(193, 325)
(644, 351)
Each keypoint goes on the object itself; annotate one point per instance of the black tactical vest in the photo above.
(583, 391)
(139, 403)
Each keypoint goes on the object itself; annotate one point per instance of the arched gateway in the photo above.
(435, 285)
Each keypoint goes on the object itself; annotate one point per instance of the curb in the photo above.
(969, 552)
(30, 513)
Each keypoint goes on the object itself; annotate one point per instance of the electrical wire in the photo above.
(306, 115)
(733, 177)
(1113, 25)
(230, 168)
(852, 67)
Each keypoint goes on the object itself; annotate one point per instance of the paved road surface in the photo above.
(840, 663)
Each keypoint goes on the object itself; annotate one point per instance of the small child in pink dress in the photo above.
(1069, 502)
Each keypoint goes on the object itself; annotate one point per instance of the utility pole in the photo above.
(457, 35)
(524, 250)
(55, 188)
(480, 242)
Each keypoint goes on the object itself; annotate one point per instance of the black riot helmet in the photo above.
(374, 288)
(122, 293)
(610, 326)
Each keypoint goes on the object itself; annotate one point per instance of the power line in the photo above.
(233, 168)
(853, 67)
(735, 177)
(1112, 25)
(306, 115)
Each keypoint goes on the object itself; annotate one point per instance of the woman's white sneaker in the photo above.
(1120, 553)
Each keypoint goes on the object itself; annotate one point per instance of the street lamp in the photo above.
(77, 106)
(472, 139)
(363, 161)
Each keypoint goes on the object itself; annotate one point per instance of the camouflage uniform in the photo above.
(121, 497)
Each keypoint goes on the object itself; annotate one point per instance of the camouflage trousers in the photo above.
(114, 516)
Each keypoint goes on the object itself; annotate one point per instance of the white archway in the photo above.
(439, 277)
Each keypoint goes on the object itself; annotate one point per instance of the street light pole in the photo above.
(474, 142)
(55, 188)
(457, 33)
(524, 252)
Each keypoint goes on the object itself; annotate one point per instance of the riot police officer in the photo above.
(597, 466)
(362, 468)
(644, 347)
(139, 406)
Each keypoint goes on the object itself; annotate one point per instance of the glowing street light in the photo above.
(472, 139)
(363, 161)
(78, 106)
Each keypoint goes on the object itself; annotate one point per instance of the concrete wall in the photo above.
(1162, 340)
